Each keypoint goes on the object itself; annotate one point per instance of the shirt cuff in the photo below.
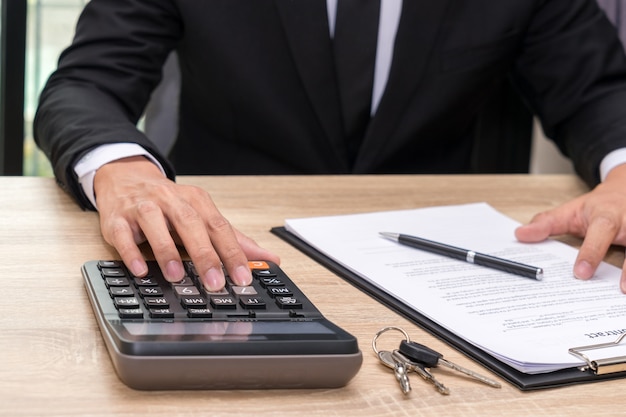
(610, 161)
(87, 166)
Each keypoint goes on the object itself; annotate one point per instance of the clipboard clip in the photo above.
(601, 366)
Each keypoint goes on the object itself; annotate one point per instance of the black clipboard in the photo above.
(525, 382)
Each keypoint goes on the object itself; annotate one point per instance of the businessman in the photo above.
(290, 87)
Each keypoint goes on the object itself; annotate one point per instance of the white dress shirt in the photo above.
(390, 11)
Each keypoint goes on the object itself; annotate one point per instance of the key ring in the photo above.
(386, 329)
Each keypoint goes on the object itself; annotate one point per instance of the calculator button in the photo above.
(201, 313)
(113, 272)
(126, 302)
(258, 265)
(109, 264)
(150, 291)
(288, 302)
(146, 282)
(161, 313)
(120, 291)
(248, 290)
(116, 282)
(190, 267)
(271, 282)
(195, 302)
(263, 273)
(185, 291)
(223, 302)
(252, 302)
(185, 282)
(276, 291)
(130, 313)
(152, 302)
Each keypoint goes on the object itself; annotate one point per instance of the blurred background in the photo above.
(50, 27)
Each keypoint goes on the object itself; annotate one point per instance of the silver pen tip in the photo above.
(539, 275)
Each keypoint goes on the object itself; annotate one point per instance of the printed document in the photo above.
(525, 323)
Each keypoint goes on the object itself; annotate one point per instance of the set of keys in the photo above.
(415, 357)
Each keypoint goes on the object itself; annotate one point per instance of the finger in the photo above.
(558, 221)
(152, 222)
(222, 240)
(119, 234)
(227, 246)
(600, 235)
(253, 251)
(191, 230)
(250, 248)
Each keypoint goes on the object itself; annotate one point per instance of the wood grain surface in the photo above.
(53, 361)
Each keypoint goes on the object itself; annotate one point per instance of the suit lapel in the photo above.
(306, 26)
(417, 31)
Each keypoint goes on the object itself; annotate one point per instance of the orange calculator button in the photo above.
(258, 265)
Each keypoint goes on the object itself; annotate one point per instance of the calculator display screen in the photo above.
(230, 337)
(228, 330)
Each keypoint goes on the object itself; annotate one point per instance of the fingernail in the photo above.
(174, 271)
(242, 276)
(583, 270)
(213, 280)
(138, 268)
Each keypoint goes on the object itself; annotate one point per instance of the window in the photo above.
(50, 28)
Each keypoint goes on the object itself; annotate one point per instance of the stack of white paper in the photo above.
(527, 324)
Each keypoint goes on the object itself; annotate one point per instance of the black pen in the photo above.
(467, 255)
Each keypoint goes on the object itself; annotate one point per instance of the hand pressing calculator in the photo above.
(163, 335)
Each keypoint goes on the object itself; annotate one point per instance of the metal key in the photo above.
(430, 359)
(419, 369)
(399, 370)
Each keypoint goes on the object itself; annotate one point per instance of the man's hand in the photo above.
(599, 216)
(137, 204)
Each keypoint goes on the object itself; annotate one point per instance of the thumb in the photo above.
(543, 225)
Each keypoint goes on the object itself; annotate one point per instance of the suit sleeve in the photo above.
(572, 69)
(103, 83)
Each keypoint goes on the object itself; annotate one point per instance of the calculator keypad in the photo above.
(271, 295)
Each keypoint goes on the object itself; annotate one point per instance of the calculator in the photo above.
(166, 336)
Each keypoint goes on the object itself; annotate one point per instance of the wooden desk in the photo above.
(53, 360)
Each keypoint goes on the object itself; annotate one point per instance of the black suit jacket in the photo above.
(259, 94)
